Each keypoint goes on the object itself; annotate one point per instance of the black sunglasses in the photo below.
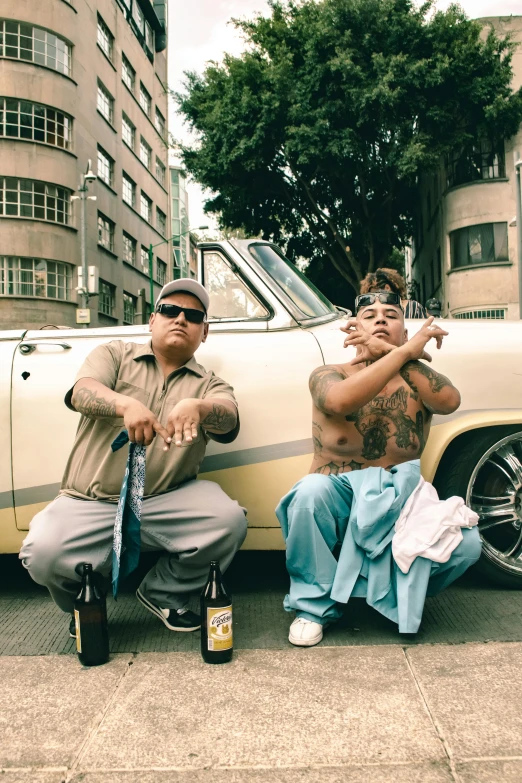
(172, 311)
(384, 297)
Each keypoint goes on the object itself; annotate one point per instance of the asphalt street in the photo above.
(367, 704)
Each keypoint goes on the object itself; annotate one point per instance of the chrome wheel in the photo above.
(495, 493)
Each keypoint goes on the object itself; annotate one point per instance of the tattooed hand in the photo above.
(369, 348)
(142, 425)
(426, 333)
(184, 420)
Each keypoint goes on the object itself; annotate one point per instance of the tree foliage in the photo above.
(316, 135)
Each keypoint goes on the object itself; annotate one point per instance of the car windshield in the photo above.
(295, 285)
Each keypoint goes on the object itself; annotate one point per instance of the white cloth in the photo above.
(429, 527)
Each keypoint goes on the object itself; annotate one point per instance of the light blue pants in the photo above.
(314, 519)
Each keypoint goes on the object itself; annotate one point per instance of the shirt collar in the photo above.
(145, 351)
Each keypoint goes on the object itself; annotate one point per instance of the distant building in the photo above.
(81, 81)
(465, 249)
(179, 211)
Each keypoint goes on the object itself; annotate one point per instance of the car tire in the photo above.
(485, 468)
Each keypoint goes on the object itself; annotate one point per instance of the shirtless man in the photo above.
(374, 411)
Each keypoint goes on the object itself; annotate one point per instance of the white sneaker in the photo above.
(305, 633)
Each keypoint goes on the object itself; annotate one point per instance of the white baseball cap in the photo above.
(190, 286)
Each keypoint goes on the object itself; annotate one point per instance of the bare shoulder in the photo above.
(322, 378)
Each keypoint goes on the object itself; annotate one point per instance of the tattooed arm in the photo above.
(337, 392)
(435, 390)
(97, 401)
(218, 415)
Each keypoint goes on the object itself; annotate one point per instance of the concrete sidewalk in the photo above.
(388, 713)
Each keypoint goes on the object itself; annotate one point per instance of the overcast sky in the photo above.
(199, 31)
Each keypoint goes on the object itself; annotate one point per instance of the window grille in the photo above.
(160, 123)
(26, 42)
(161, 222)
(144, 259)
(35, 122)
(128, 190)
(161, 272)
(35, 277)
(160, 172)
(105, 38)
(128, 74)
(27, 198)
(105, 169)
(145, 153)
(145, 100)
(484, 161)
(128, 132)
(129, 308)
(146, 207)
(129, 249)
(486, 243)
(106, 298)
(105, 103)
(496, 315)
(105, 232)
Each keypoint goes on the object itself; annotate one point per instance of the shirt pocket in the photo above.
(129, 390)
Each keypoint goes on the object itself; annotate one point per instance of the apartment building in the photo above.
(82, 80)
(465, 249)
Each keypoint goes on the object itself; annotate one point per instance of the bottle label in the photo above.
(78, 635)
(219, 628)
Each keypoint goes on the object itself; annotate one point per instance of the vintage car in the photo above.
(269, 329)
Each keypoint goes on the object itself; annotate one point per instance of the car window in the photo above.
(301, 291)
(229, 296)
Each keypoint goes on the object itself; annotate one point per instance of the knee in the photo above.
(312, 490)
(470, 548)
(39, 556)
(233, 523)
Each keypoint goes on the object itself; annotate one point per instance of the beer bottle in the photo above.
(216, 619)
(90, 615)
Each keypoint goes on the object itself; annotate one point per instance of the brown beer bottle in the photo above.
(90, 615)
(216, 619)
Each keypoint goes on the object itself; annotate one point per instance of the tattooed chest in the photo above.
(385, 422)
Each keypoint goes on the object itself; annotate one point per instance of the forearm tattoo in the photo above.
(436, 381)
(88, 402)
(320, 382)
(220, 419)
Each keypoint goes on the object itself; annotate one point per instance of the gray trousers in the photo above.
(193, 525)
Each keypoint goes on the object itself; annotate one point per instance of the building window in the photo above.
(486, 243)
(105, 232)
(106, 298)
(144, 256)
(141, 27)
(129, 308)
(145, 153)
(105, 103)
(34, 122)
(161, 272)
(160, 172)
(26, 198)
(105, 38)
(159, 121)
(129, 249)
(497, 315)
(145, 100)
(128, 132)
(35, 277)
(128, 74)
(138, 18)
(105, 169)
(146, 207)
(486, 160)
(161, 222)
(25, 42)
(128, 190)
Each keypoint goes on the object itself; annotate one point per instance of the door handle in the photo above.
(26, 348)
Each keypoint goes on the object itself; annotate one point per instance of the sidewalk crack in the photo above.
(97, 723)
(436, 725)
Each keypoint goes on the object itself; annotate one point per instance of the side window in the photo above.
(229, 296)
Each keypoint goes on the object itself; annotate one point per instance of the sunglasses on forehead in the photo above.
(172, 311)
(384, 297)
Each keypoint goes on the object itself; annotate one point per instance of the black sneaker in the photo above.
(72, 628)
(174, 619)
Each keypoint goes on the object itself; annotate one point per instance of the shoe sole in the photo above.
(155, 611)
(305, 642)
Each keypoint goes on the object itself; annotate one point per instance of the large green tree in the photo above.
(316, 135)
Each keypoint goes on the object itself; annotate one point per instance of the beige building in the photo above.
(465, 250)
(81, 80)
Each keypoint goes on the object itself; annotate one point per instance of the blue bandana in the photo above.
(127, 538)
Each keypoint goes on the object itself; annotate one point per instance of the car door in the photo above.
(269, 370)
(45, 364)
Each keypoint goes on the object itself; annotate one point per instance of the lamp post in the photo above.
(151, 257)
(83, 189)
(518, 166)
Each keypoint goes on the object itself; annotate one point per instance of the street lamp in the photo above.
(83, 189)
(151, 258)
(518, 165)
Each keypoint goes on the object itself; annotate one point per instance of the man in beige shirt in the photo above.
(172, 405)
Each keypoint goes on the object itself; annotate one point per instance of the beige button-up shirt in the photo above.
(94, 471)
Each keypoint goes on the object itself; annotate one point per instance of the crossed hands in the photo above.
(370, 349)
(182, 424)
